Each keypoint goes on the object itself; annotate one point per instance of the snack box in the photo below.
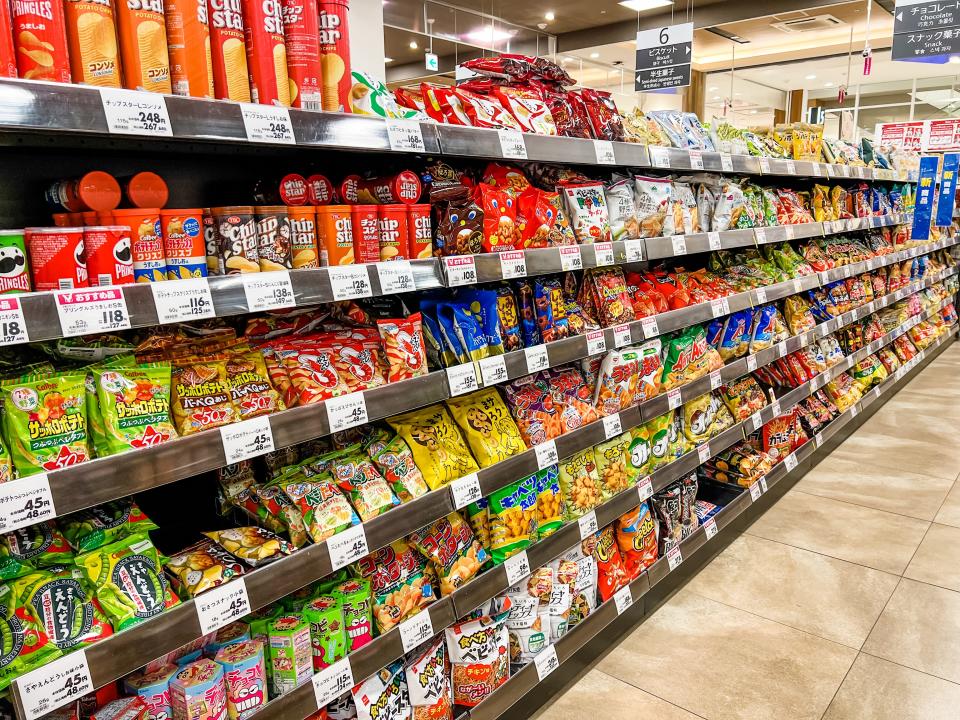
(197, 692)
(245, 676)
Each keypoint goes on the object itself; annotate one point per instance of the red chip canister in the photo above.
(347, 190)
(319, 190)
(96, 190)
(300, 30)
(57, 258)
(404, 187)
(109, 255)
(145, 190)
(394, 236)
(40, 39)
(420, 231)
(266, 52)
(334, 36)
(8, 56)
(228, 51)
(366, 233)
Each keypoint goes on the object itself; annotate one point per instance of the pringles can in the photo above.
(273, 238)
(92, 39)
(146, 242)
(184, 245)
(236, 232)
(335, 234)
(40, 39)
(8, 55)
(366, 233)
(303, 237)
(334, 36)
(188, 39)
(109, 254)
(228, 51)
(301, 30)
(14, 268)
(57, 258)
(266, 52)
(143, 45)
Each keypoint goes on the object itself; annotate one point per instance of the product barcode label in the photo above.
(603, 253)
(405, 136)
(760, 234)
(756, 421)
(674, 398)
(462, 379)
(633, 250)
(696, 159)
(659, 156)
(588, 525)
(761, 295)
(710, 528)
(346, 411)
(674, 558)
(350, 281)
(460, 270)
(466, 490)
(512, 144)
(222, 605)
(513, 264)
(726, 162)
(332, 682)
(604, 151)
(763, 482)
(714, 239)
(716, 380)
(267, 123)
(596, 342)
(134, 112)
(546, 453)
(756, 491)
(649, 327)
(570, 258)
(53, 685)
(396, 276)
(268, 290)
(13, 325)
(751, 363)
(679, 244)
(612, 426)
(703, 452)
(623, 599)
(28, 500)
(416, 630)
(493, 370)
(183, 300)
(99, 310)
(621, 335)
(546, 661)
(246, 439)
(764, 166)
(790, 461)
(537, 358)
(517, 567)
(645, 488)
(347, 547)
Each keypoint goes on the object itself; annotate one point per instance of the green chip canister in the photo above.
(14, 267)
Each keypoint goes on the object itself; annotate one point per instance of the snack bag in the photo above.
(249, 384)
(436, 443)
(479, 654)
(26, 643)
(401, 581)
(487, 426)
(550, 509)
(704, 417)
(743, 397)
(639, 452)
(658, 431)
(537, 416)
(450, 545)
(254, 545)
(103, 524)
(323, 506)
(201, 567)
(402, 341)
(611, 465)
(580, 484)
(688, 356)
(32, 547)
(428, 682)
(652, 197)
(135, 406)
(611, 572)
(571, 393)
(637, 539)
(395, 462)
(587, 208)
(674, 508)
(201, 397)
(622, 210)
(513, 518)
(368, 492)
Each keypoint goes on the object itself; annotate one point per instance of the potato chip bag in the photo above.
(202, 566)
(639, 452)
(44, 420)
(401, 581)
(436, 443)
(365, 487)
(688, 356)
(574, 397)
(428, 682)
(628, 377)
(659, 437)
(395, 463)
(103, 524)
(324, 508)
(580, 484)
(704, 417)
(513, 518)
(611, 463)
(487, 426)
(450, 545)
(254, 545)
(32, 547)
(550, 509)
(7, 472)
(201, 396)
(127, 580)
(25, 641)
(538, 417)
(95, 426)
(134, 403)
(637, 539)
(611, 573)
(250, 389)
(743, 397)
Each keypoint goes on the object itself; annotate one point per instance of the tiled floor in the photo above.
(842, 602)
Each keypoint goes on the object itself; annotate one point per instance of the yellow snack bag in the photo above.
(639, 453)
(437, 446)
(201, 396)
(612, 465)
(579, 484)
(487, 425)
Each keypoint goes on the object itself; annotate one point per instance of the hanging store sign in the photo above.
(664, 55)
(903, 135)
(948, 189)
(942, 135)
(926, 192)
(925, 28)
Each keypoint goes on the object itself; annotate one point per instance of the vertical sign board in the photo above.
(925, 28)
(948, 189)
(663, 57)
(926, 192)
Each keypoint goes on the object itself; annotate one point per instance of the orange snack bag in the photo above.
(188, 40)
(92, 40)
(143, 45)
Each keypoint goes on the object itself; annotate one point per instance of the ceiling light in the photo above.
(387, 60)
(954, 59)
(413, 45)
(828, 84)
(641, 5)
(549, 16)
(713, 89)
(717, 97)
(810, 77)
(753, 112)
(489, 35)
(595, 55)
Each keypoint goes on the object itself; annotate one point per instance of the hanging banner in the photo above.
(948, 189)
(925, 28)
(926, 192)
(663, 57)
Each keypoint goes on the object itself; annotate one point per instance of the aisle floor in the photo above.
(841, 602)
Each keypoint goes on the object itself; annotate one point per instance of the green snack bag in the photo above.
(658, 434)
(97, 526)
(25, 644)
(328, 631)
(98, 435)
(550, 509)
(326, 586)
(356, 599)
(513, 518)
(7, 472)
(135, 405)
(639, 453)
(32, 547)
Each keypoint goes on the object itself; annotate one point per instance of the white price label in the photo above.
(346, 411)
(679, 244)
(715, 380)
(604, 151)
(790, 461)
(222, 605)
(673, 398)
(493, 370)
(517, 567)
(95, 310)
(623, 599)
(755, 491)
(546, 453)
(332, 682)
(596, 342)
(462, 379)
(512, 144)
(350, 281)
(183, 300)
(797, 285)
(714, 239)
(612, 426)
(405, 136)
(133, 112)
(760, 234)
(674, 558)
(703, 452)
(570, 258)
(546, 661)
(751, 363)
(756, 420)
(763, 483)
(696, 159)
(659, 156)
(460, 270)
(622, 335)
(761, 294)
(416, 630)
(776, 408)
(513, 264)
(765, 166)
(782, 348)
(246, 439)
(588, 525)
(537, 358)
(268, 291)
(719, 307)
(818, 439)
(395, 276)
(603, 253)
(55, 684)
(815, 169)
(788, 230)
(645, 488)
(710, 528)
(726, 162)
(28, 500)
(466, 490)
(854, 410)
(268, 124)
(791, 167)
(13, 325)
(633, 250)
(649, 327)
(347, 547)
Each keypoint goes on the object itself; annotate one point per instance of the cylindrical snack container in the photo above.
(266, 52)
(421, 232)
(188, 40)
(334, 36)
(347, 190)
(273, 237)
(394, 233)
(146, 241)
(291, 189)
(404, 187)
(57, 259)
(145, 190)
(62, 219)
(154, 688)
(92, 39)
(14, 268)
(197, 692)
(143, 45)
(236, 229)
(228, 51)
(319, 190)
(104, 217)
(301, 31)
(109, 254)
(245, 676)
(8, 55)
(303, 237)
(366, 233)
(357, 603)
(290, 653)
(95, 190)
(214, 259)
(40, 39)
(328, 632)
(89, 217)
(235, 632)
(184, 245)
(335, 234)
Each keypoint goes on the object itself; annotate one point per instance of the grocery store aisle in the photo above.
(842, 602)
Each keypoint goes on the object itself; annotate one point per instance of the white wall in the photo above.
(366, 37)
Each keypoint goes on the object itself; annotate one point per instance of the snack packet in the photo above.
(324, 509)
(254, 545)
(487, 426)
(201, 397)
(436, 443)
(611, 465)
(103, 524)
(134, 404)
(401, 581)
(395, 462)
(513, 518)
(450, 545)
(201, 567)
(479, 654)
(580, 484)
(637, 539)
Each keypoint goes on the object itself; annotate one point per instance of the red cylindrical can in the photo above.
(96, 190)
(394, 234)
(89, 217)
(57, 258)
(62, 219)
(404, 187)
(421, 232)
(266, 52)
(145, 190)
(334, 36)
(8, 56)
(301, 32)
(40, 38)
(366, 233)
(347, 190)
(290, 190)
(319, 190)
(228, 51)
(109, 255)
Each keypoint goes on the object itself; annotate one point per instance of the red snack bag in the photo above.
(611, 572)
(443, 105)
(536, 216)
(402, 340)
(485, 111)
(312, 371)
(575, 398)
(527, 108)
(637, 539)
(508, 178)
(500, 231)
(410, 98)
(561, 110)
(357, 362)
(603, 114)
(581, 118)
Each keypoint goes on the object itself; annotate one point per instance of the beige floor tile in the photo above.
(920, 628)
(865, 536)
(723, 663)
(910, 450)
(950, 511)
(879, 690)
(598, 692)
(881, 488)
(937, 560)
(899, 422)
(831, 598)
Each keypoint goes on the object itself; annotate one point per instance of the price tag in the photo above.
(332, 682)
(760, 234)
(13, 325)
(603, 253)
(517, 567)
(756, 420)
(246, 439)
(537, 358)
(133, 112)
(546, 661)
(347, 547)
(222, 605)
(815, 169)
(612, 426)
(588, 525)
(596, 342)
(28, 500)
(405, 136)
(714, 239)
(782, 348)
(791, 167)
(763, 483)
(645, 488)
(696, 160)
(268, 124)
(622, 335)
(570, 258)
(416, 630)
(54, 684)
(776, 408)
(755, 491)
(465, 491)
(493, 370)
(726, 162)
(674, 558)
(818, 439)
(854, 410)
(679, 244)
(844, 170)
(703, 452)
(395, 276)
(719, 307)
(715, 380)
(268, 291)
(623, 599)
(761, 294)
(512, 144)
(460, 270)
(346, 411)
(604, 151)
(649, 327)
(513, 264)
(790, 461)
(710, 528)
(92, 311)
(349, 281)
(546, 453)
(788, 230)
(462, 379)
(751, 363)
(183, 300)
(659, 156)
(765, 166)
(633, 250)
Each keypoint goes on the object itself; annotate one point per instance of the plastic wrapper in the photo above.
(687, 357)
(362, 483)
(587, 209)
(436, 443)
(704, 417)
(450, 545)
(628, 377)
(479, 654)
(402, 340)
(402, 582)
(622, 210)
(653, 200)
(612, 468)
(485, 422)
(674, 509)
(611, 571)
(428, 682)
(33, 547)
(103, 524)
(637, 539)
(580, 484)
(254, 545)
(202, 567)
(324, 509)
(513, 518)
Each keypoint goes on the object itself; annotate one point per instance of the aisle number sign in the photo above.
(663, 57)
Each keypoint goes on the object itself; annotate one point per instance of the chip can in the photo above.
(228, 51)
(40, 39)
(300, 28)
(92, 39)
(184, 245)
(8, 55)
(404, 187)
(214, 259)
(109, 254)
(273, 238)
(188, 39)
(291, 189)
(366, 233)
(146, 241)
(143, 45)
(95, 190)
(57, 258)
(145, 190)
(14, 268)
(335, 234)
(334, 36)
(303, 237)
(266, 52)
(236, 230)
(394, 235)
(421, 232)
(319, 190)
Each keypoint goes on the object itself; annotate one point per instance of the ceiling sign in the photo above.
(925, 28)
(663, 57)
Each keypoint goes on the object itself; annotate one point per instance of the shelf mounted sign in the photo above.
(405, 136)
(54, 685)
(267, 124)
(93, 310)
(222, 605)
(920, 29)
(663, 57)
(183, 300)
(13, 325)
(134, 112)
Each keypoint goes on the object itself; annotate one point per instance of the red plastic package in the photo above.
(578, 110)
(485, 111)
(442, 104)
(527, 108)
(536, 216)
(611, 572)
(410, 97)
(603, 114)
(500, 230)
